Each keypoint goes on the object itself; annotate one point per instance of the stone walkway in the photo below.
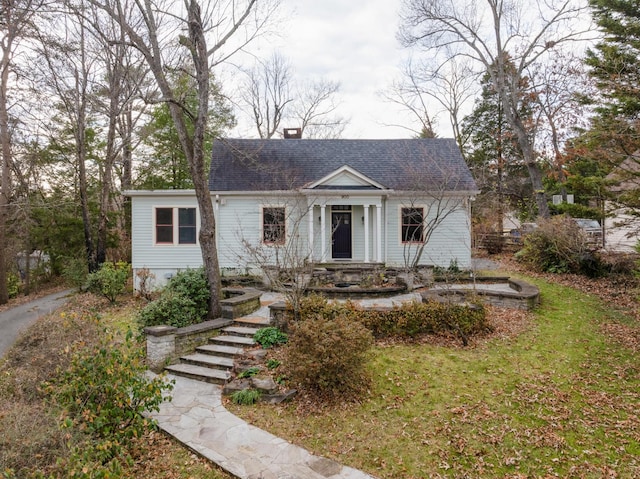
(196, 417)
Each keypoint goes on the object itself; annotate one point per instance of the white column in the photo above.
(323, 234)
(310, 232)
(379, 233)
(366, 233)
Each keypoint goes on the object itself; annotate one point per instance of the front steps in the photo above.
(213, 362)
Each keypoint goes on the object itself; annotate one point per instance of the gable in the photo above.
(345, 178)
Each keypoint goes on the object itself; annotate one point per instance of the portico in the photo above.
(346, 227)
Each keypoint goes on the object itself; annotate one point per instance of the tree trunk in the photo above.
(5, 184)
(105, 193)
(198, 164)
(126, 127)
(194, 151)
(5, 139)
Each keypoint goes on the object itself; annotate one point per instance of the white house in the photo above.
(622, 225)
(392, 202)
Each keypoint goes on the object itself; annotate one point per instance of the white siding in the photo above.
(161, 259)
(621, 230)
(239, 229)
(451, 240)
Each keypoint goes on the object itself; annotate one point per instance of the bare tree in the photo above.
(123, 82)
(285, 260)
(429, 205)
(273, 97)
(557, 87)
(16, 20)
(496, 34)
(68, 71)
(193, 37)
(451, 86)
(267, 93)
(314, 110)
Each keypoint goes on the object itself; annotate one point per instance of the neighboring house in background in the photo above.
(391, 202)
(622, 228)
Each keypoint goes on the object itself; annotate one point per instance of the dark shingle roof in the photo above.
(410, 164)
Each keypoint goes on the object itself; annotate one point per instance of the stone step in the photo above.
(228, 340)
(199, 373)
(220, 350)
(240, 331)
(252, 321)
(206, 360)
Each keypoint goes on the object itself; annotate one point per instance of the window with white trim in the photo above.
(273, 225)
(412, 225)
(175, 223)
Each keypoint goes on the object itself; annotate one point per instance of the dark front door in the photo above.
(341, 234)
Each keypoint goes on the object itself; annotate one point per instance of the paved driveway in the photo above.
(15, 320)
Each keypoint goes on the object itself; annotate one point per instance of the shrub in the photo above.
(246, 397)
(183, 302)
(145, 282)
(559, 245)
(171, 309)
(75, 272)
(328, 356)
(192, 283)
(105, 394)
(110, 280)
(13, 284)
(409, 319)
(270, 337)
(249, 373)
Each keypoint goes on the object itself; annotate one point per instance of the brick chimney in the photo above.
(292, 133)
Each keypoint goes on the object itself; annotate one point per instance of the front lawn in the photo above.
(558, 399)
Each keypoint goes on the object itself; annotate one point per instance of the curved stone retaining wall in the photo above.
(519, 295)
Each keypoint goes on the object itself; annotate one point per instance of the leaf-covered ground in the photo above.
(552, 393)
(31, 438)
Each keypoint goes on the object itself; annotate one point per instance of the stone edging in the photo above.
(524, 295)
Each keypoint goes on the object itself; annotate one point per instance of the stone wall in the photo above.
(239, 302)
(522, 295)
(165, 344)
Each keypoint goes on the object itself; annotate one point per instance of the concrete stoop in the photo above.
(212, 362)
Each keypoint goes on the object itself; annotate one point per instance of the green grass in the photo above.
(560, 399)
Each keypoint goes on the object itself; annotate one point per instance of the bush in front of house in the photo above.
(433, 317)
(110, 280)
(184, 301)
(558, 245)
(328, 356)
(407, 320)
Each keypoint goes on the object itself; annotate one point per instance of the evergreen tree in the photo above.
(615, 66)
(495, 159)
(614, 132)
(167, 167)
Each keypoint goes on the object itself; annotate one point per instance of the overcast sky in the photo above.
(353, 43)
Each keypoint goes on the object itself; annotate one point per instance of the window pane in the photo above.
(186, 225)
(164, 216)
(187, 216)
(164, 234)
(273, 225)
(412, 222)
(164, 225)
